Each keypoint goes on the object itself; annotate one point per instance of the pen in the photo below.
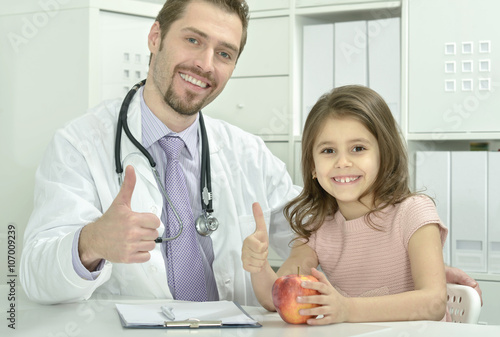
(167, 311)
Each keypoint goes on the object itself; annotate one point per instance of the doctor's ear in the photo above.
(154, 38)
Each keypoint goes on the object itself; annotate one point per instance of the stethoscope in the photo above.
(205, 224)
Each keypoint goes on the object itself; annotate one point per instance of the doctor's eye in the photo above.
(192, 40)
(225, 55)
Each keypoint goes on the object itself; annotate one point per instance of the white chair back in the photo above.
(464, 304)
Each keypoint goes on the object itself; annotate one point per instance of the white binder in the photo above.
(469, 210)
(351, 53)
(384, 73)
(318, 60)
(494, 212)
(432, 177)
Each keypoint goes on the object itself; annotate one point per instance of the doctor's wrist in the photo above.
(88, 257)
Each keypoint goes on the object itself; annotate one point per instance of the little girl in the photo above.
(379, 245)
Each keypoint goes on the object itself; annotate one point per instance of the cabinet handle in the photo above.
(240, 106)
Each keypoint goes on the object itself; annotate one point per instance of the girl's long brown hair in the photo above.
(307, 212)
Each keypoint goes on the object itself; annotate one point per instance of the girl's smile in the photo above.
(346, 180)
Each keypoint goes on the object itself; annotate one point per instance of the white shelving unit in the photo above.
(444, 117)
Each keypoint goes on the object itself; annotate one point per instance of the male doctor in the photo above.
(88, 234)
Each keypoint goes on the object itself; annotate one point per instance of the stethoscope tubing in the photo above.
(206, 185)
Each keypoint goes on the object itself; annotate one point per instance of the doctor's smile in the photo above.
(192, 80)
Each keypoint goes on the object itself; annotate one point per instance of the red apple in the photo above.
(285, 292)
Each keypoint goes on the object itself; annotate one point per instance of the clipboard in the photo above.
(148, 316)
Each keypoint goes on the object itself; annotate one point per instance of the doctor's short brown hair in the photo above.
(174, 9)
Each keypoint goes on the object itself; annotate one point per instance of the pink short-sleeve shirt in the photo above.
(360, 261)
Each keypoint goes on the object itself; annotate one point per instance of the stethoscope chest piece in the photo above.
(206, 224)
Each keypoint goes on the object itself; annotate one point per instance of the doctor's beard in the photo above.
(183, 106)
(188, 105)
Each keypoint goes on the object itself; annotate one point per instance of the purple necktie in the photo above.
(184, 261)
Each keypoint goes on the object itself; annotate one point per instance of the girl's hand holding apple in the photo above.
(329, 302)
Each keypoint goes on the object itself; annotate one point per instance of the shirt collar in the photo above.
(153, 129)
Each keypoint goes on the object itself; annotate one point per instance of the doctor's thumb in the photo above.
(128, 185)
(260, 222)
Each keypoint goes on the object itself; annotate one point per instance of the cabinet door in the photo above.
(267, 50)
(454, 66)
(258, 105)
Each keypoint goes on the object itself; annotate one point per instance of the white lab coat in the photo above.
(76, 182)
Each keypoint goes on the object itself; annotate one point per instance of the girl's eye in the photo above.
(328, 151)
(358, 148)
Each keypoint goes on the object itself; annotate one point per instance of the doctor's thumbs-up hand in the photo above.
(120, 235)
(255, 246)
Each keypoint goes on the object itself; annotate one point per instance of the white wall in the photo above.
(37, 98)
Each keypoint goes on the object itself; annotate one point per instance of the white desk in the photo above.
(98, 317)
